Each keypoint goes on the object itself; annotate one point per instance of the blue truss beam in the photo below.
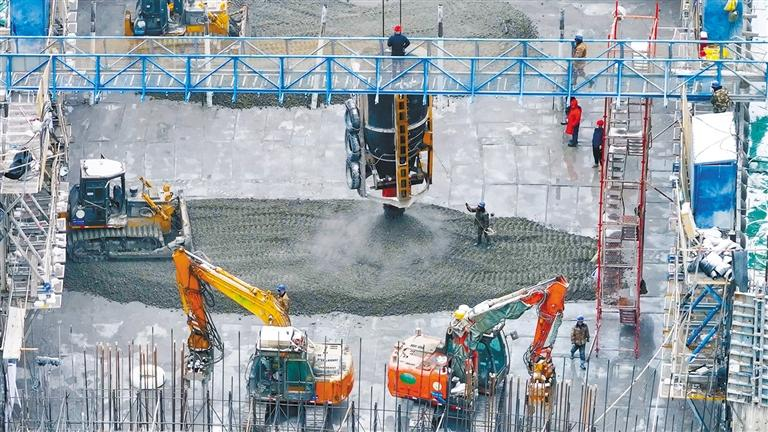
(519, 68)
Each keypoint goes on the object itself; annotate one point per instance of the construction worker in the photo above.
(579, 52)
(398, 43)
(283, 299)
(721, 100)
(597, 143)
(482, 222)
(579, 339)
(574, 122)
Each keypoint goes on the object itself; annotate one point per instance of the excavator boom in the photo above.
(548, 297)
(474, 349)
(195, 277)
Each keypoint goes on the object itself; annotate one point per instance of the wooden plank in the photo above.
(14, 333)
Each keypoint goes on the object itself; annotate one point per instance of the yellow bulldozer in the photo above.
(105, 222)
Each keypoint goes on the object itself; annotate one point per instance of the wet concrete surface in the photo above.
(345, 256)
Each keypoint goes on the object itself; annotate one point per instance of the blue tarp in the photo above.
(717, 23)
(713, 170)
(714, 195)
(29, 17)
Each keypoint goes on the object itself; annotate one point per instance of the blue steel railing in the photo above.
(459, 67)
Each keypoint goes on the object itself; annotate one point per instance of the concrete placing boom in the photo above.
(472, 358)
(286, 366)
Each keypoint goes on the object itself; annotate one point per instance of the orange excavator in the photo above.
(463, 371)
(286, 366)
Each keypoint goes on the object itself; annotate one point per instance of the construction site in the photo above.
(384, 215)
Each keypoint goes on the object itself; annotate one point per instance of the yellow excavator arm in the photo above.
(195, 276)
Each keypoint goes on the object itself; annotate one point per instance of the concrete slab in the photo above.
(499, 164)
(503, 197)
(560, 208)
(532, 202)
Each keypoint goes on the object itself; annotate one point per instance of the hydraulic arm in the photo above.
(472, 358)
(195, 277)
(548, 297)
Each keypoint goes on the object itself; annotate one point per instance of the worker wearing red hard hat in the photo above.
(597, 143)
(398, 42)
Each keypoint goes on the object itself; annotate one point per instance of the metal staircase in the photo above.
(621, 219)
(620, 247)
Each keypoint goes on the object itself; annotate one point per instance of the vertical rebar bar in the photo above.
(161, 402)
(359, 368)
(223, 350)
(384, 401)
(375, 416)
(230, 414)
(209, 409)
(398, 419)
(607, 375)
(109, 385)
(239, 384)
(130, 385)
(183, 395)
(66, 410)
(629, 400)
(173, 383)
(192, 384)
(85, 381)
(651, 399)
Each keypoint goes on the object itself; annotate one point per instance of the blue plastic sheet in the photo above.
(29, 17)
(718, 24)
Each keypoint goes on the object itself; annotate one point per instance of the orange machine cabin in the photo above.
(418, 369)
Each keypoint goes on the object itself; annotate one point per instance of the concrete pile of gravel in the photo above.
(462, 18)
(345, 256)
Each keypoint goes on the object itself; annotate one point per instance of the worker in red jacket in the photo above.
(573, 123)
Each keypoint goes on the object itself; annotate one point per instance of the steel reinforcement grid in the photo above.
(98, 389)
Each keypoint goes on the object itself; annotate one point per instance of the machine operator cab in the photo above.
(99, 200)
(492, 359)
(280, 368)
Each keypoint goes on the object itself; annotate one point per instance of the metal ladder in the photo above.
(402, 166)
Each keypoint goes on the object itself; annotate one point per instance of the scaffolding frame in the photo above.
(623, 173)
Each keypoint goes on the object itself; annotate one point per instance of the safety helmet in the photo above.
(578, 37)
(461, 312)
(398, 28)
(716, 85)
(579, 318)
(481, 204)
(600, 122)
(281, 289)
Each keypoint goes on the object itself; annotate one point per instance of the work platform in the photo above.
(459, 67)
